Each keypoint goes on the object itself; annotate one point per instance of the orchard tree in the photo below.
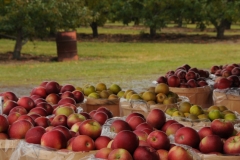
(99, 11)
(219, 13)
(126, 11)
(26, 19)
(155, 14)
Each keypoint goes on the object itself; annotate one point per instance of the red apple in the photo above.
(106, 110)
(235, 80)
(101, 142)
(73, 106)
(75, 127)
(203, 73)
(230, 67)
(26, 117)
(9, 96)
(225, 73)
(59, 120)
(169, 73)
(49, 128)
(39, 100)
(42, 121)
(134, 114)
(187, 136)
(213, 69)
(120, 153)
(67, 87)
(167, 123)
(162, 79)
(54, 139)
(69, 143)
(78, 96)
(143, 143)
(26, 102)
(91, 113)
(163, 154)
(43, 83)
(192, 83)
(48, 107)
(4, 136)
(232, 145)
(135, 121)
(39, 110)
(34, 135)
(205, 131)
(52, 87)
(144, 153)
(91, 128)
(19, 109)
(67, 100)
(3, 124)
(186, 66)
(64, 130)
(222, 128)
(210, 144)
(12, 117)
(179, 153)
(34, 116)
(156, 118)
(191, 75)
(53, 98)
(173, 81)
(119, 125)
(102, 153)
(86, 115)
(223, 83)
(172, 128)
(142, 136)
(236, 71)
(202, 83)
(126, 140)
(67, 94)
(40, 91)
(83, 143)
(158, 140)
(74, 118)
(143, 126)
(181, 74)
(19, 129)
(100, 117)
(8, 105)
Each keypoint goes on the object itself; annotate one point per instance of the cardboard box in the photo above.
(7, 147)
(217, 157)
(27, 151)
(201, 96)
(232, 102)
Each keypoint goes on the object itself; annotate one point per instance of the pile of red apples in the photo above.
(185, 76)
(57, 122)
(50, 117)
(228, 76)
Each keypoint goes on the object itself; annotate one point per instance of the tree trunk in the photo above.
(228, 24)
(152, 31)
(94, 27)
(179, 22)
(18, 46)
(221, 28)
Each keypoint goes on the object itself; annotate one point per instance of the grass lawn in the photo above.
(123, 63)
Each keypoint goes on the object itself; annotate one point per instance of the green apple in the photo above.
(213, 108)
(177, 114)
(161, 97)
(184, 107)
(121, 94)
(94, 95)
(203, 116)
(101, 86)
(104, 94)
(215, 114)
(170, 110)
(230, 117)
(115, 88)
(135, 96)
(169, 100)
(149, 96)
(88, 89)
(196, 110)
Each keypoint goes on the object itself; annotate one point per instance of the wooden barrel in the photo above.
(67, 46)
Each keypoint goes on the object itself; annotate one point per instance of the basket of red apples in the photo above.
(227, 84)
(191, 82)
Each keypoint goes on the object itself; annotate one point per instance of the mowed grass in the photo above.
(122, 63)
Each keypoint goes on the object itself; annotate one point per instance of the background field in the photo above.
(133, 63)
